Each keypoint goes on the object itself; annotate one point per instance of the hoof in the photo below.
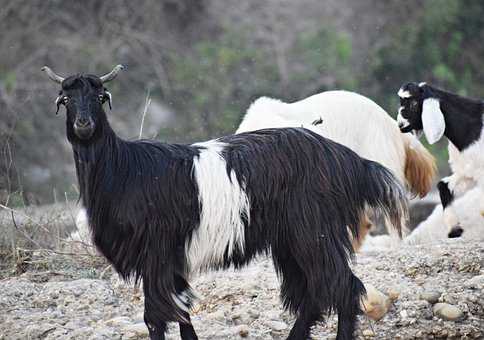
(455, 232)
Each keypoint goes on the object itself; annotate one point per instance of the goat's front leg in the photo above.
(448, 187)
(161, 306)
(183, 299)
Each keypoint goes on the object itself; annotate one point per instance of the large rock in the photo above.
(375, 304)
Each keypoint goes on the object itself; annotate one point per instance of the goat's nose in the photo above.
(83, 122)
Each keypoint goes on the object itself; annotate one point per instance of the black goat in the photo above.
(438, 113)
(160, 211)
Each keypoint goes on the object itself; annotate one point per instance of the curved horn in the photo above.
(111, 75)
(52, 75)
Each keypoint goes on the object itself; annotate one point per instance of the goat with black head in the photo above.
(435, 113)
(159, 211)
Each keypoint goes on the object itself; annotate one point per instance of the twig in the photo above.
(147, 104)
(101, 276)
(23, 232)
(55, 252)
(48, 272)
(13, 220)
(14, 239)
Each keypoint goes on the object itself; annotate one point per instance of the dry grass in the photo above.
(36, 242)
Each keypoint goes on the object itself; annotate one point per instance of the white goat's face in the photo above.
(409, 117)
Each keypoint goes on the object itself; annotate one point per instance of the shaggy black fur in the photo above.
(142, 202)
(463, 116)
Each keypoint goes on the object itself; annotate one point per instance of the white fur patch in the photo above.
(432, 120)
(404, 94)
(401, 121)
(223, 202)
(183, 300)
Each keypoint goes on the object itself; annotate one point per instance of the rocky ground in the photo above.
(432, 292)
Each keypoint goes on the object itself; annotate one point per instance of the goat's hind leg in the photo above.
(448, 188)
(307, 316)
(296, 296)
(450, 217)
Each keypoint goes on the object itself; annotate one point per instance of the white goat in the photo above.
(436, 113)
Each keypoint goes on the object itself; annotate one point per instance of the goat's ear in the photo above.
(58, 101)
(110, 98)
(432, 120)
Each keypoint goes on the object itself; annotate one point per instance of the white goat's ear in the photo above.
(432, 120)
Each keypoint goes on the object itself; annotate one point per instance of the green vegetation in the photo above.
(215, 83)
(442, 45)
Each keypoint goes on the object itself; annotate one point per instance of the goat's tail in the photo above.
(384, 194)
(420, 166)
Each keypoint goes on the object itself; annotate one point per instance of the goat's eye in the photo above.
(413, 103)
(101, 98)
(65, 100)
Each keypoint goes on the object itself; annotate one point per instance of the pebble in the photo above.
(477, 282)
(272, 315)
(242, 330)
(368, 333)
(218, 315)
(447, 312)
(254, 314)
(430, 296)
(119, 321)
(276, 325)
(135, 330)
(393, 293)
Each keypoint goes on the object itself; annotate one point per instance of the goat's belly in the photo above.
(207, 250)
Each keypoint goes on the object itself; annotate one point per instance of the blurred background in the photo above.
(203, 62)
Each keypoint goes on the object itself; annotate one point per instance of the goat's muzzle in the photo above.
(84, 127)
(405, 129)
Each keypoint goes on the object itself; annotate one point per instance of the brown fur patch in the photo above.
(420, 168)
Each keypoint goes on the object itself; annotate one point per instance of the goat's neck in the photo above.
(463, 119)
(95, 161)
